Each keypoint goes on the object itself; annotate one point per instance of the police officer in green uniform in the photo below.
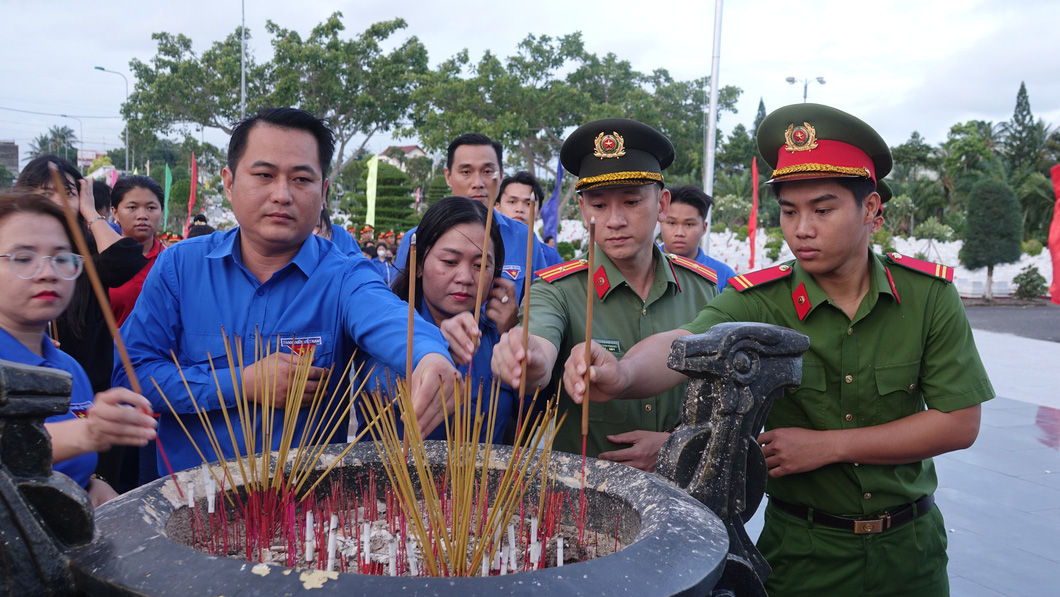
(892, 376)
(638, 291)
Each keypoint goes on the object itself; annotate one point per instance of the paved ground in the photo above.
(1001, 497)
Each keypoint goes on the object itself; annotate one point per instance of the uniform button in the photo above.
(784, 268)
(912, 386)
(867, 496)
(849, 379)
(261, 293)
(849, 417)
(643, 311)
(647, 407)
(856, 464)
(850, 331)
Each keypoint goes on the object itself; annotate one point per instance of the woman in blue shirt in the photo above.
(38, 282)
(448, 262)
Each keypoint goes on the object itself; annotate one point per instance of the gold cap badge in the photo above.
(800, 138)
(609, 146)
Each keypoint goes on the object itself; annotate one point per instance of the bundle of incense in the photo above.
(445, 522)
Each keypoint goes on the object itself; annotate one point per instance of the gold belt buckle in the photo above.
(876, 525)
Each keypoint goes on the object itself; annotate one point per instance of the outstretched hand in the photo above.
(604, 374)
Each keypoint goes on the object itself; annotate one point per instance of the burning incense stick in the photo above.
(104, 303)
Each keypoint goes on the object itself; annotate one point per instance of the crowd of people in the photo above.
(891, 379)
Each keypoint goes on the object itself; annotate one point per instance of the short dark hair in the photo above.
(692, 195)
(200, 230)
(523, 177)
(474, 139)
(284, 118)
(199, 219)
(135, 181)
(36, 174)
(101, 195)
(24, 200)
(438, 219)
(858, 186)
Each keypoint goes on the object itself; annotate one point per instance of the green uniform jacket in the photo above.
(908, 347)
(620, 320)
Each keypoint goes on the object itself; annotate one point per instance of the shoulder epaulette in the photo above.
(935, 270)
(560, 270)
(695, 266)
(742, 282)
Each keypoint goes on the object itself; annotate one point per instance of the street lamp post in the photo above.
(126, 124)
(805, 84)
(81, 139)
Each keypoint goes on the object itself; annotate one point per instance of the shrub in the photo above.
(1032, 247)
(885, 239)
(566, 250)
(774, 243)
(1030, 283)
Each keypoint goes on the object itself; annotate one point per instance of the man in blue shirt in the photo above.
(273, 279)
(473, 169)
(513, 200)
(684, 228)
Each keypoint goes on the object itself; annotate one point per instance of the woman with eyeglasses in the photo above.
(38, 281)
(81, 331)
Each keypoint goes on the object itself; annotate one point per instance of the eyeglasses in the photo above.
(27, 264)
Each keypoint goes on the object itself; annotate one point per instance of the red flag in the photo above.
(752, 222)
(1054, 236)
(191, 199)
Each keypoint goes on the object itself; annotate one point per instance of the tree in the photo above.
(759, 117)
(59, 140)
(393, 201)
(736, 153)
(352, 83)
(992, 231)
(1023, 140)
(915, 154)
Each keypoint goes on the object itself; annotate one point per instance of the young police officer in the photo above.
(892, 376)
(640, 291)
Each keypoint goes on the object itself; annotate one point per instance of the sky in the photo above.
(900, 65)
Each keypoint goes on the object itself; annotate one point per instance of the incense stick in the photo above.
(482, 271)
(102, 299)
(529, 277)
(412, 317)
(588, 325)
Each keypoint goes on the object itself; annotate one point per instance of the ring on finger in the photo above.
(504, 301)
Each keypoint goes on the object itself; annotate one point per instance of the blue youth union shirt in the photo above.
(199, 286)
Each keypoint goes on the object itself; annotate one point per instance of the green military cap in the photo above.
(616, 152)
(804, 141)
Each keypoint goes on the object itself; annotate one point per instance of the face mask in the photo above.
(380, 253)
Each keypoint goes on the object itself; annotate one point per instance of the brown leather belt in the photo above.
(882, 522)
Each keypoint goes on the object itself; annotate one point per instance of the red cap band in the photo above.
(828, 158)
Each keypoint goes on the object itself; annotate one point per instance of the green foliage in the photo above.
(933, 229)
(742, 232)
(566, 250)
(59, 140)
(360, 89)
(1032, 247)
(735, 154)
(179, 194)
(393, 202)
(718, 227)
(885, 239)
(774, 243)
(437, 189)
(992, 233)
(915, 154)
(6, 177)
(900, 210)
(1024, 141)
(920, 255)
(732, 210)
(529, 100)
(1030, 283)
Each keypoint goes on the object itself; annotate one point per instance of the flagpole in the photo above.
(712, 122)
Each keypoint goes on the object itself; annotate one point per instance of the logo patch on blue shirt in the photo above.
(301, 345)
(513, 271)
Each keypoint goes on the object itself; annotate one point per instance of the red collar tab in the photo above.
(825, 159)
(894, 290)
(802, 301)
(601, 282)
